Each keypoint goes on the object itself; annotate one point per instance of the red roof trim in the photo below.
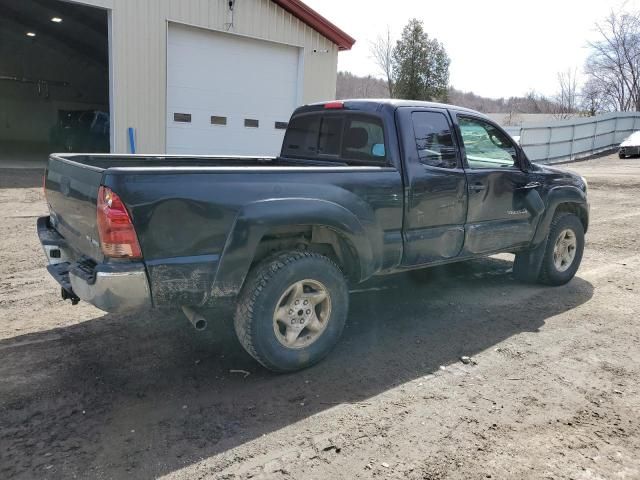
(317, 22)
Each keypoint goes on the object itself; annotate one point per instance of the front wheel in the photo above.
(563, 253)
(292, 310)
(556, 261)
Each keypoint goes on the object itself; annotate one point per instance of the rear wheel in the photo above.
(292, 310)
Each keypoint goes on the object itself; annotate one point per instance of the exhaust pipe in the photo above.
(196, 319)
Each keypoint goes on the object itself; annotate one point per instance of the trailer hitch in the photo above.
(66, 295)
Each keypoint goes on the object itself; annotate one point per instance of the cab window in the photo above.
(434, 141)
(364, 140)
(345, 137)
(330, 135)
(301, 138)
(485, 145)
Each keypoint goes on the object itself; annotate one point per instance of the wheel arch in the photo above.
(578, 209)
(562, 199)
(322, 239)
(264, 228)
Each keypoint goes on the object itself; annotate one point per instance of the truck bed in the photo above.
(101, 162)
(185, 207)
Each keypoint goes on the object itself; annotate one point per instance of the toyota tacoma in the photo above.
(361, 188)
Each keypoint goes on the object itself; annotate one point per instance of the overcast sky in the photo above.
(498, 48)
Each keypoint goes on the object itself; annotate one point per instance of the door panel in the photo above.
(436, 198)
(497, 218)
(435, 223)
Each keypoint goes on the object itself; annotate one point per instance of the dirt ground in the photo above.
(555, 392)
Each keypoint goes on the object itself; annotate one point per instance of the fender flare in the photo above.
(256, 219)
(556, 197)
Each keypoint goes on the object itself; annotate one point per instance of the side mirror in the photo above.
(378, 150)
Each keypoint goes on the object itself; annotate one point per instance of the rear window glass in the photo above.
(364, 140)
(301, 139)
(351, 138)
(330, 135)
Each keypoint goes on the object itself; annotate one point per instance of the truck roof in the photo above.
(373, 104)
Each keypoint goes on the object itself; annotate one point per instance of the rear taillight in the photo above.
(118, 238)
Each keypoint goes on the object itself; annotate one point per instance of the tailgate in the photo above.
(72, 191)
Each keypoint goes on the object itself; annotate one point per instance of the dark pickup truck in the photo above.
(361, 188)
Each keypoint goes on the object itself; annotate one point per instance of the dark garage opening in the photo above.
(54, 80)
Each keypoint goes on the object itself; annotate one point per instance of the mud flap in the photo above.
(533, 203)
(527, 265)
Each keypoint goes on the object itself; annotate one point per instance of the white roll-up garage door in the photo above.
(228, 94)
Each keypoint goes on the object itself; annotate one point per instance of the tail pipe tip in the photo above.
(195, 318)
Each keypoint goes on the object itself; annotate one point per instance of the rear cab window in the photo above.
(345, 137)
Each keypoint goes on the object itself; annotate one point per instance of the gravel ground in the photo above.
(552, 391)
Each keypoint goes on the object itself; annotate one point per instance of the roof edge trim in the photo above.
(316, 21)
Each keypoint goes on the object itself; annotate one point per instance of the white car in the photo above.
(631, 146)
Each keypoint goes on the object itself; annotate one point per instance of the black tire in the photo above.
(621, 155)
(549, 273)
(263, 289)
(537, 265)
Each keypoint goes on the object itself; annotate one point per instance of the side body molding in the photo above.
(257, 219)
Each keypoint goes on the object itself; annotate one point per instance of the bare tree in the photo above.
(514, 107)
(566, 100)
(592, 98)
(534, 102)
(614, 63)
(381, 50)
(512, 118)
(352, 86)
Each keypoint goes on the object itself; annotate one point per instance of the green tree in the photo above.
(420, 65)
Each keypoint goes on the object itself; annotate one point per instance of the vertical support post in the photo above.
(573, 140)
(549, 144)
(132, 140)
(112, 83)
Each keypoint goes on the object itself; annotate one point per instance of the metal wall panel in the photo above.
(139, 53)
(577, 137)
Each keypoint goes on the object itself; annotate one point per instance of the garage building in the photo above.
(160, 76)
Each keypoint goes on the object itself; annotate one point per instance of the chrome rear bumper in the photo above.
(116, 290)
(112, 287)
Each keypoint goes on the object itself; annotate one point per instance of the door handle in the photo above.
(477, 187)
(530, 186)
